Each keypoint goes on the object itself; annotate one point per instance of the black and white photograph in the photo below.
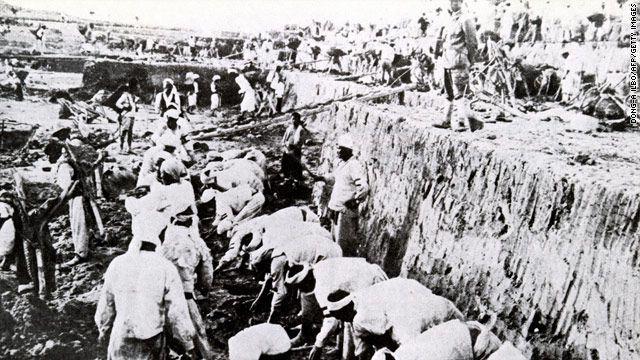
(319, 180)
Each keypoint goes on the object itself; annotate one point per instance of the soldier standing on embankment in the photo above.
(460, 47)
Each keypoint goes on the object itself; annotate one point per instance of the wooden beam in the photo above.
(211, 133)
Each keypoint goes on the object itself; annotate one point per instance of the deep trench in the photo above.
(471, 223)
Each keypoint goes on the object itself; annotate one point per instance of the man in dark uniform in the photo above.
(460, 47)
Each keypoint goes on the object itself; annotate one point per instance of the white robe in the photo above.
(249, 95)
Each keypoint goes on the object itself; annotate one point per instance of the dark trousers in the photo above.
(290, 164)
(126, 130)
(456, 82)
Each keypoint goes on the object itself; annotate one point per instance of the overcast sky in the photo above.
(247, 15)
(260, 15)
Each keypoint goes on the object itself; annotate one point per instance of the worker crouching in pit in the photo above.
(251, 232)
(454, 340)
(275, 261)
(233, 206)
(350, 188)
(184, 247)
(315, 282)
(169, 139)
(260, 342)
(389, 313)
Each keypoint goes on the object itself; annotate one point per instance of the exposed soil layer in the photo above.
(534, 220)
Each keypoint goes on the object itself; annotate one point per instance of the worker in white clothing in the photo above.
(276, 84)
(350, 188)
(168, 98)
(7, 233)
(234, 206)
(215, 96)
(389, 313)
(275, 261)
(225, 175)
(184, 247)
(192, 94)
(171, 124)
(248, 104)
(260, 342)
(66, 174)
(387, 55)
(168, 146)
(316, 282)
(244, 233)
(280, 233)
(164, 199)
(252, 154)
(291, 162)
(291, 214)
(230, 158)
(451, 340)
(174, 189)
(40, 34)
(142, 294)
(126, 107)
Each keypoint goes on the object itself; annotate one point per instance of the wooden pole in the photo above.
(211, 133)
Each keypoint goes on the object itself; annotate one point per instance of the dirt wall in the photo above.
(508, 225)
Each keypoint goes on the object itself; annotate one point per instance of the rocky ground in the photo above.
(63, 327)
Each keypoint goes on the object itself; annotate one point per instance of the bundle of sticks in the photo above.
(498, 75)
(600, 100)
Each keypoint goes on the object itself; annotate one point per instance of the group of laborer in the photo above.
(264, 97)
(149, 295)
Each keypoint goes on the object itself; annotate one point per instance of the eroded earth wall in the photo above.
(503, 225)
